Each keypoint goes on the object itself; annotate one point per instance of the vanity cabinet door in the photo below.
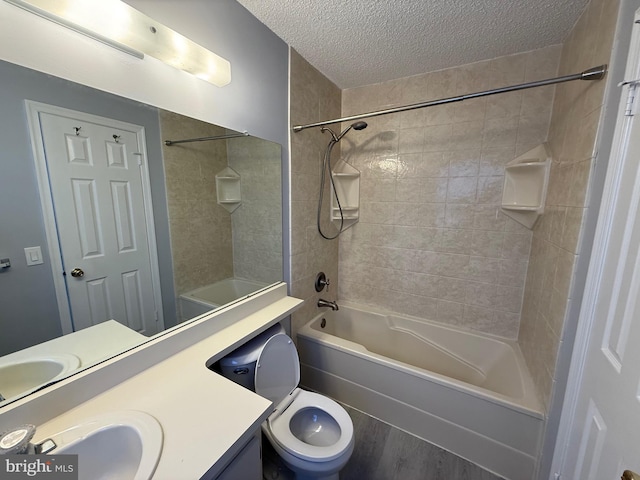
(247, 465)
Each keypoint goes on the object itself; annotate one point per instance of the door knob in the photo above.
(629, 475)
(77, 272)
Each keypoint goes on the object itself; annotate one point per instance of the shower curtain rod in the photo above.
(206, 139)
(595, 73)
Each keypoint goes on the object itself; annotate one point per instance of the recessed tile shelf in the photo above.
(347, 185)
(228, 190)
(525, 185)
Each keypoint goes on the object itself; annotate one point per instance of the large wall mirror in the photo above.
(109, 236)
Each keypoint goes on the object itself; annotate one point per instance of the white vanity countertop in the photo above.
(205, 417)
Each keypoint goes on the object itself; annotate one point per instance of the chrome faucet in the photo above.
(18, 441)
(326, 303)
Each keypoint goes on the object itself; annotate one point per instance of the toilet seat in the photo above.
(279, 424)
(276, 377)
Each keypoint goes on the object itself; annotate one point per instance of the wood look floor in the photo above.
(383, 452)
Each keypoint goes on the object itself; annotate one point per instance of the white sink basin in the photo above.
(122, 445)
(25, 376)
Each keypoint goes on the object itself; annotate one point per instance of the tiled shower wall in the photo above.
(432, 241)
(313, 98)
(200, 229)
(555, 247)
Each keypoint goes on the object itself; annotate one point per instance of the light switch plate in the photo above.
(33, 255)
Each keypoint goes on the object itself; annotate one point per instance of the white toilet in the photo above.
(311, 433)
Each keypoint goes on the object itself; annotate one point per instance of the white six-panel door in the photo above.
(96, 176)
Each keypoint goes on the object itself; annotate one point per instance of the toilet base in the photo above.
(274, 468)
(297, 467)
(334, 476)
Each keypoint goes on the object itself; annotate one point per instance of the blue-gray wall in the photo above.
(256, 100)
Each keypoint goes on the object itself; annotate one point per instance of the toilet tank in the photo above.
(240, 365)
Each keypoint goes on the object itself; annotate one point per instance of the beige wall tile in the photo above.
(493, 160)
(452, 289)
(572, 228)
(463, 163)
(500, 132)
(512, 271)
(433, 165)
(314, 98)
(542, 63)
(462, 190)
(507, 70)
(579, 174)
(575, 119)
(449, 312)
(481, 295)
(415, 89)
(489, 190)
(413, 118)
(411, 140)
(440, 115)
(466, 135)
(472, 110)
(442, 84)
(489, 217)
(504, 105)
(485, 243)
(437, 138)
(532, 130)
(473, 77)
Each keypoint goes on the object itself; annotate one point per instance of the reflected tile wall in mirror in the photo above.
(200, 228)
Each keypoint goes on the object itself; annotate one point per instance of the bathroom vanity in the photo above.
(204, 435)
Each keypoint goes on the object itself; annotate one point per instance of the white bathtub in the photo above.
(203, 299)
(468, 393)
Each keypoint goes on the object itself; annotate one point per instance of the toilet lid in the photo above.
(278, 369)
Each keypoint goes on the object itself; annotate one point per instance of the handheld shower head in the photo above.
(355, 126)
(326, 168)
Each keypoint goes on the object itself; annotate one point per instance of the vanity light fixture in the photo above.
(122, 27)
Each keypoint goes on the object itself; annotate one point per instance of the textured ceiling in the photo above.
(357, 43)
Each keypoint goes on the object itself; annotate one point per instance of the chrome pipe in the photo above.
(206, 139)
(595, 73)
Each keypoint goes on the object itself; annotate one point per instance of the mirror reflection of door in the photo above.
(97, 175)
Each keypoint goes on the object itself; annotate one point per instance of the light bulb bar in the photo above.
(124, 28)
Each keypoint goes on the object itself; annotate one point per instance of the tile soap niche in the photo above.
(228, 189)
(525, 185)
(347, 186)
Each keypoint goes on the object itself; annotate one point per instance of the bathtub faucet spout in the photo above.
(327, 303)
